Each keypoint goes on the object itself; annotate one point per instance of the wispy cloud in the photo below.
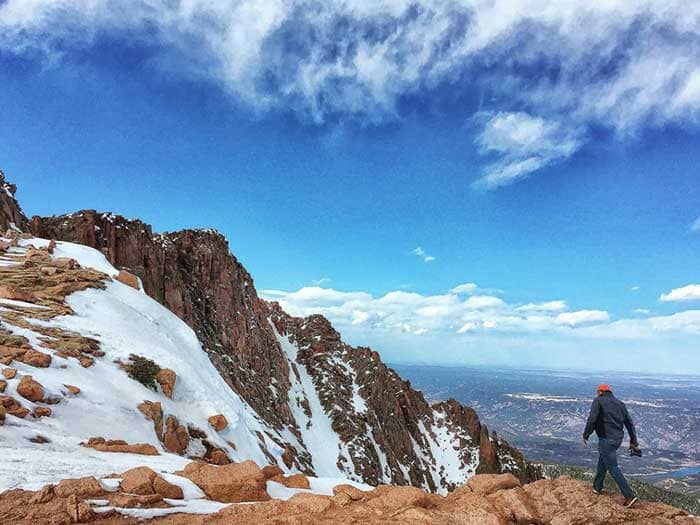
(695, 225)
(683, 294)
(523, 143)
(465, 288)
(549, 71)
(420, 252)
(321, 281)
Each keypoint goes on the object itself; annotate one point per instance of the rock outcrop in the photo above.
(486, 500)
(11, 215)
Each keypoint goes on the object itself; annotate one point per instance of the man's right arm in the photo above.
(592, 418)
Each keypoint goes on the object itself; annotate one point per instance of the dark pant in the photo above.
(607, 462)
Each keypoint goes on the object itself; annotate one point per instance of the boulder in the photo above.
(87, 487)
(488, 483)
(271, 471)
(13, 407)
(3, 413)
(144, 481)
(166, 379)
(176, 438)
(167, 489)
(17, 294)
(351, 492)
(138, 481)
(218, 422)
(128, 279)
(219, 457)
(35, 358)
(9, 373)
(30, 389)
(65, 263)
(52, 246)
(72, 389)
(232, 483)
(119, 445)
(295, 481)
(3, 385)
(41, 412)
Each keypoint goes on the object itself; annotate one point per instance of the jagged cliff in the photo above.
(333, 409)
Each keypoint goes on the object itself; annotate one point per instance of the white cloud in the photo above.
(548, 306)
(619, 65)
(319, 282)
(642, 311)
(635, 288)
(582, 317)
(420, 252)
(465, 288)
(684, 294)
(442, 317)
(524, 144)
(695, 225)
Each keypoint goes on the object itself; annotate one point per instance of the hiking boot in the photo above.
(598, 492)
(629, 503)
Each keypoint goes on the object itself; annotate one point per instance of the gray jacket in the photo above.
(608, 416)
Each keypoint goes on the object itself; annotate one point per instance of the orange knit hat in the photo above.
(604, 388)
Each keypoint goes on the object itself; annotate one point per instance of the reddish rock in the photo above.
(52, 245)
(219, 457)
(72, 389)
(9, 373)
(86, 487)
(3, 385)
(35, 358)
(175, 437)
(119, 445)
(488, 483)
(30, 389)
(233, 483)
(144, 481)
(17, 294)
(3, 415)
(65, 263)
(218, 422)
(128, 279)
(295, 481)
(166, 379)
(41, 412)
(271, 471)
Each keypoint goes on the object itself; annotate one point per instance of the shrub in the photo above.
(142, 370)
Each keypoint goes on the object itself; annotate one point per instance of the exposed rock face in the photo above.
(10, 211)
(385, 431)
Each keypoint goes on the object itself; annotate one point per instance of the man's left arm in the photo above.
(629, 425)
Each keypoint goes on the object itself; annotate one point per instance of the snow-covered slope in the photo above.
(124, 321)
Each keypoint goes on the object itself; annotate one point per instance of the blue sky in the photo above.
(554, 173)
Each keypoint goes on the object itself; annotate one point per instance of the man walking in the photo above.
(608, 416)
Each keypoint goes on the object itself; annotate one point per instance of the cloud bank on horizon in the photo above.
(537, 77)
(468, 319)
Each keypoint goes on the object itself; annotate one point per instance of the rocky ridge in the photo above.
(384, 430)
(241, 494)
